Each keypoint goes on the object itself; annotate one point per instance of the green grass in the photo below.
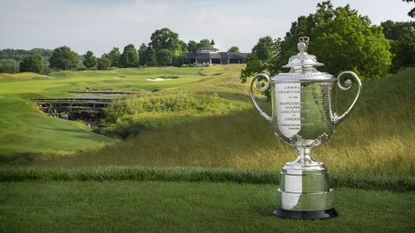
(78, 181)
(25, 129)
(128, 206)
(377, 138)
(26, 132)
(140, 173)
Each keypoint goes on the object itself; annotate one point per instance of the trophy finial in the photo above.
(302, 44)
(302, 61)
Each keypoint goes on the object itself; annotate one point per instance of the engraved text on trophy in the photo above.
(288, 97)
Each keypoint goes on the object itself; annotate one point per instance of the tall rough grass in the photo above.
(130, 116)
(377, 138)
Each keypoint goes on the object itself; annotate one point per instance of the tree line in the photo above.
(164, 49)
(343, 40)
(340, 37)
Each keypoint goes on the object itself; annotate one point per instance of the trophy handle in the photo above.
(345, 87)
(261, 88)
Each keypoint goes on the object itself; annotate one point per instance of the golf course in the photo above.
(188, 153)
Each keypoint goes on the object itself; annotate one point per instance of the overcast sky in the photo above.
(98, 25)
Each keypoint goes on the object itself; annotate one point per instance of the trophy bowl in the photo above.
(304, 116)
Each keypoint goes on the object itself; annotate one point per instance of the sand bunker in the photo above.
(159, 79)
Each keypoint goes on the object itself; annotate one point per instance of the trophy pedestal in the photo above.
(305, 192)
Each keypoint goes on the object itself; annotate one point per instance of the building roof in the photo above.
(209, 48)
(237, 55)
(221, 55)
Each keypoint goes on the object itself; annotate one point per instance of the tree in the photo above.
(104, 63)
(33, 63)
(234, 49)
(115, 57)
(264, 49)
(142, 53)
(192, 46)
(151, 57)
(204, 43)
(183, 45)
(63, 58)
(129, 57)
(346, 40)
(340, 38)
(262, 57)
(9, 66)
(89, 59)
(402, 39)
(164, 57)
(411, 13)
(166, 39)
(212, 42)
(19, 54)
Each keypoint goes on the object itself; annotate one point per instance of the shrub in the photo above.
(32, 63)
(9, 66)
(104, 63)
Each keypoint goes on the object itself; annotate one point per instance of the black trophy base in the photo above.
(320, 214)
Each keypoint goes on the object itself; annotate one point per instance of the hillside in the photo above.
(27, 133)
(377, 137)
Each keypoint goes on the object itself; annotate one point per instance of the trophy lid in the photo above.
(302, 61)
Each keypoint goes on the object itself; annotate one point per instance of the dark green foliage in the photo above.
(192, 46)
(196, 174)
(264, 49)
(9, 65)
(166, 39)
(104, 63)
(63, 58)
(340, 38)
(142, 54)
(234, 49)
(90, 60)
(204, 43)
(164, 57)
(348, 41)
(115, 57)
(151, 57)
(19, 54)
(402, 39)
(33, 63)
(262, 57)
(129, 57)
(183, 45)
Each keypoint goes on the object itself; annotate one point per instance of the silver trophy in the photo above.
(304, 116)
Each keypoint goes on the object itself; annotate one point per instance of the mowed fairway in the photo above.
(26, 130)
(126, 206)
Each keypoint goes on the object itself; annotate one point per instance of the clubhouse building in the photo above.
(211, 55)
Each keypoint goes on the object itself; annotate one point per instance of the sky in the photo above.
(99, 25)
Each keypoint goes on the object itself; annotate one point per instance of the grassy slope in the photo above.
(24, 129)
(187, 207)
(378, 137)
